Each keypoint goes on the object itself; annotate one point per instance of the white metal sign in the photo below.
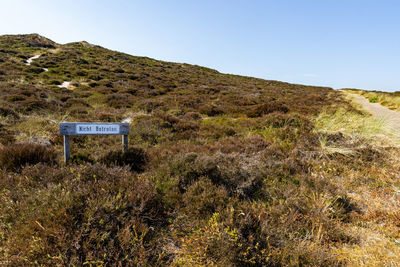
(86, 128)
(97, 129)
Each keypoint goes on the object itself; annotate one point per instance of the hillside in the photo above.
(222, 169)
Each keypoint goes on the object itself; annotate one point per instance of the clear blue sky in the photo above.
(337, 43)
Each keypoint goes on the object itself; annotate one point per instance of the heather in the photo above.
(221, 170)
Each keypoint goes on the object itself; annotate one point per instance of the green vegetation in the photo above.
(225, 170)
(374, 99)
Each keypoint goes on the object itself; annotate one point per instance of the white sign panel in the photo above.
(97, 128)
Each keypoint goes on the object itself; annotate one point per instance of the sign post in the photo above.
(87, 128)
(124, 142)
(66, 148)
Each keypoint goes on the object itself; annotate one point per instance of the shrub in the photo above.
(6, 111)
(211, 110)
(279, 120)
(150, 105)
(262, 109)
(16, 98)
(35, 70)
(131, 91)
(55, 82)
(118, 100)
(16, 156)
(220, 169)
(203, 198)
(211, 245)
(81, 158)
(119, 70)
(192, 116)
(82, 215)
(182, 129)
(374, 99)
(147, 130)
(93, 84)
(33, 104)
(76, 102)
(81, 73)
(136, 158)
(94, 77)
(78, 111)
(6, 136)
(28, 91)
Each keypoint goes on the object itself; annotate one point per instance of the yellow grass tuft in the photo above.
(374, 250)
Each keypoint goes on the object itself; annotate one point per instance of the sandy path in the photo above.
(29, 60)
(65, 84)
(391, 118)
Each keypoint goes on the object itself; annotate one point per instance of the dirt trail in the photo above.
(391, 118)
(29, 60)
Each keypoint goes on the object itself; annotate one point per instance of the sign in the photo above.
(97, 129)
(87, 128)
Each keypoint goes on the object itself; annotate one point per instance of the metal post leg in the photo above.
(66, 149)
(124, 143)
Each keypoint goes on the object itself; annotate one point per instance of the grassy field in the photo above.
(222, 170)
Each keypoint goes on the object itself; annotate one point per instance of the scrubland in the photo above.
(222, 169)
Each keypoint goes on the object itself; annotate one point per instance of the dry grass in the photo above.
(373, 188)
(374, 250)
(358, 124)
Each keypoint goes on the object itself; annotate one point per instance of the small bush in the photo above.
(33, 104)
(35, 70)
(211, 110)
(81, 73)
(16, 98)
(55, 82)
(119, 100)
(183, 129)
(135, 157)
(221, 169)
(81, 159)
(5, 111)
(16, 156)
(133, 77)
(94, 77)
(76, 102)
(150, 105)
(280, 120)
(78, 111)
(203, 198)
(194, 116)
(374, 99)
(147, 130)
(93, 84)
(262, 109)
(119, 70)
(6, 136)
